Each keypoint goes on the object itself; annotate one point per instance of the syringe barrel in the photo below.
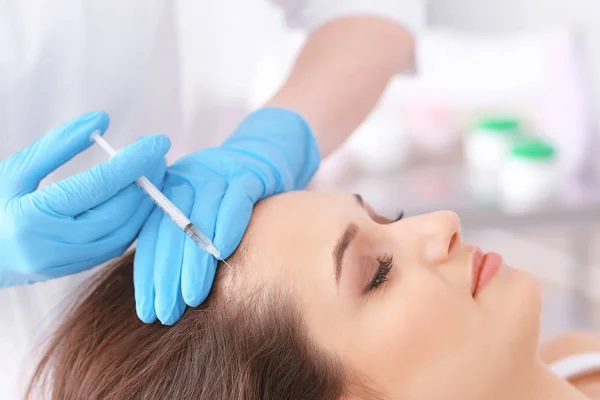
(163, 202)
(202, 240)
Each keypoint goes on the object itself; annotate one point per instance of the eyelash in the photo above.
(399, 217)
(381, 276)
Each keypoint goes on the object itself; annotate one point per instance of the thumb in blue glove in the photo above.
(272, 151)
(82, 221)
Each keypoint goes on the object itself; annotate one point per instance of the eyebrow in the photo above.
(344, 242)
(340, 248)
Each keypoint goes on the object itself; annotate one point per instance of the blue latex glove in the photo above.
(272, 151)
(79, 222)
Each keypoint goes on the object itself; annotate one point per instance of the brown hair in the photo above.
(254, 348)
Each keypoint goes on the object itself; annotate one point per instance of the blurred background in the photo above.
(499, 123)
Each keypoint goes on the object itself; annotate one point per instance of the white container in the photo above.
(485, 150)
(529, 175)
(488, 145)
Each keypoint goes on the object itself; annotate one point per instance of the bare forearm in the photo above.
(341, 72)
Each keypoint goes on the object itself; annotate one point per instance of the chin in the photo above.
(512, 285)
(511, 305)
(519, 298)
(527, 288)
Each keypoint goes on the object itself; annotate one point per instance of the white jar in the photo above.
(485, 150)
(487, 146)
(529, 176)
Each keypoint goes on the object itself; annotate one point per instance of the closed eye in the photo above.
(381, 275)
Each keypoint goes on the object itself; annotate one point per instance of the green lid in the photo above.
(499, 124)
(533, 148)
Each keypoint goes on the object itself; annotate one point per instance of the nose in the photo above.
(440, 233)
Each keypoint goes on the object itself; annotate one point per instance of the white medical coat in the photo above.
(181, 68)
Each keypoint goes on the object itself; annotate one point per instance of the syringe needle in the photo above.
(230, 267)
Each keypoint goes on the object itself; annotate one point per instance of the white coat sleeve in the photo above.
(310, 14)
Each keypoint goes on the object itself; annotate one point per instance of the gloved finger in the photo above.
(235, 212)
(114, 213)
(169, 304)
(78, 266)
(67, 257)
(22, 172)
(199, 267)
(79, 193)
(66, 254)
(143, 267)
(94, 224)
(121, 238)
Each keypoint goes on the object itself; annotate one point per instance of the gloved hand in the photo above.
(79, 222)
(272, 151)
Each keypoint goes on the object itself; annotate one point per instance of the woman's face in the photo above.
(393, 300)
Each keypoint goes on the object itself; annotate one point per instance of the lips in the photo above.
(485, 267)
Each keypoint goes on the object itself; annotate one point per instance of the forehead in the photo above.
(297, 222)
(291, 237)
(305, 203)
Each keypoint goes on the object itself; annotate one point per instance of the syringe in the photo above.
(165, 204)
